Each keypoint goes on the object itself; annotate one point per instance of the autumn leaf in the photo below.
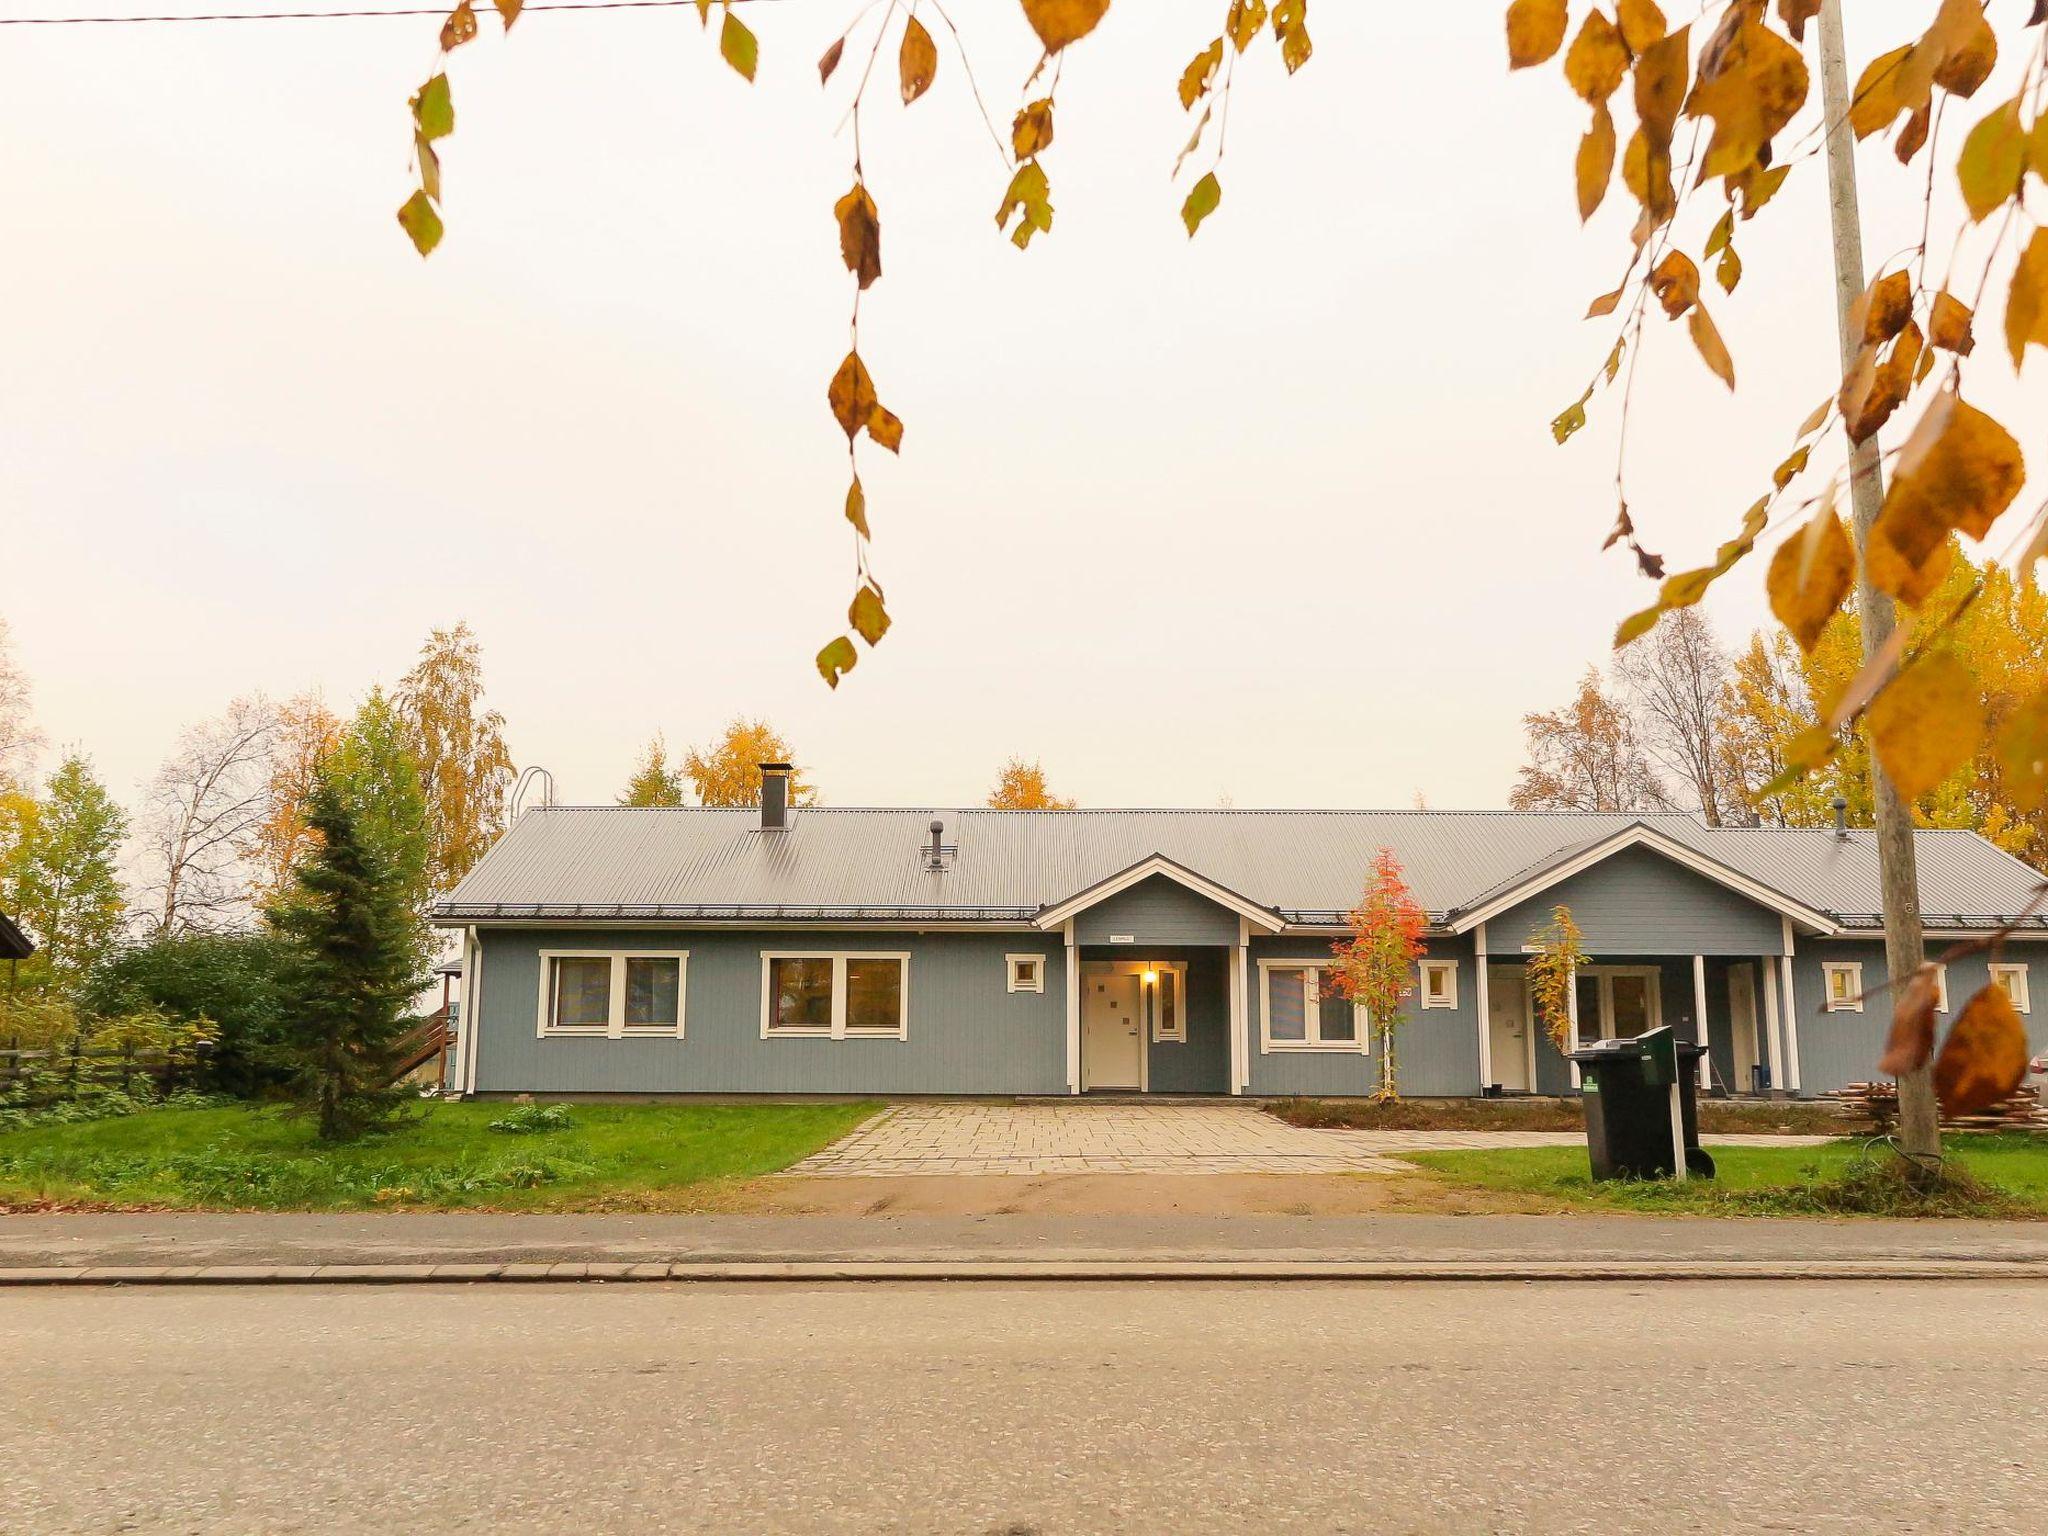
(1984, 1057)
(1676, 282)
(2026, 303)
(1966, 45)
(738, 46)
(1911, 1040)
(1194, 80)
(1201, 202)
(1948, 326)
(917, 61)
(1605, 304)
(829, 60)
(857, 507)
(1910, 584)
(2022, 750)
(1706, 338)
(1597, 59)
(1060, 22)
(1728, 270)
(1885, 306)
(1926, 723)
(1032, 131)
(837, 659)
(1242, 22)
(1794, 464)
(433, 110)
(430, 166)
(1642, 23)
(1596, 161)
(1958, 470)
(1290, 26)
(885, 427)
(860, 234)
(419, 220)
(1876, 102)
(1028, 197)
(868, 617)
(852, 395)
(508, 11)
(459, 28)
(1535, 31)
(1568, 420)
(1993, 160)
(1810, 576)
(1796, 14)
(1751, 89)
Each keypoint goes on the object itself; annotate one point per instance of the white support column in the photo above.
(1699, 1006)
(1073, 1012)
(469, 1027)
(1241, 1026)
(1791, 1017)
(1572, 1013)
(1485, 1015)
(1772, 1027)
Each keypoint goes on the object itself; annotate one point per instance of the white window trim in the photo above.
(1160, 1034)
(1853, 969)
(2018, 991)
(1602, 1028)
(1940, 988)
(1010, 964)
(617, 1028)
(837, 1029)
(1312, 1010)
(1449, 968)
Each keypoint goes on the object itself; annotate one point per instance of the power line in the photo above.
(354, 15)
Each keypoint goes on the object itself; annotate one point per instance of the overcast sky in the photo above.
(1273, 514)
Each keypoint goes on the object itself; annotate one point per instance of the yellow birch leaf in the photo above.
(1596, 161)
(1913, 136)
(1706, 337)
(459, 28)
(852, 395)
(1796, 14)
(433, 110)
(1750, 90)
(1875, 103)
(885, 427)
(857, 507)
(1728, 270)
(1637, 624)
(1984, 1058)
(1885, 306)
(917, 61)
(738, 46)
(1597, 59)
(1814, 418)
(1535, 31)
(1910, 584)
(1242, 22)
(1968, 46)
(837, 659)
(508, 11)
(1201, 202)
(1759, 186)
(1676, 282)
(419, 220)
(1604, 305)
(1032, 130)
(1568, 420)
(870, 620)
(1810, 576)
(2022, 750)
(430, 167)
(1060, 22)
(1926, 723)
(1029, 197)
(829, 59)
(1194, 80)
(1641, 23)
(1795, 463)
(2026, 303)
(1959, 469)
(1290, 26)
(1660, 86)
(1948, 326)
(860, 234)
(1993, 160)
(1719, 236)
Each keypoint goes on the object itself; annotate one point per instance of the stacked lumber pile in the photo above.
(1873, 1108)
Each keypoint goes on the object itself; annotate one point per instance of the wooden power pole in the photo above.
(1904, 943)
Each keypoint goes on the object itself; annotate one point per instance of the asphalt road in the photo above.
(1753, 1407)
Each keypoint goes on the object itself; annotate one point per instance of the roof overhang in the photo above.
(14, 944)
(1641, 835)
(1265, 919)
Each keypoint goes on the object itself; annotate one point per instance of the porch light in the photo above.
(1151, 978)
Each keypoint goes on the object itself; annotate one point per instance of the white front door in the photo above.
(1112, 1033)
(1507, 1007)
(1742, 1024)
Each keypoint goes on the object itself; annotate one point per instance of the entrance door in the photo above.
(1742, 1024)
(1112, 1033)
(1507, 1026)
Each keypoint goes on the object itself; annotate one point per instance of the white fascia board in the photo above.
(1264, 918)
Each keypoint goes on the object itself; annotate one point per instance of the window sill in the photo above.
(1335, 1047)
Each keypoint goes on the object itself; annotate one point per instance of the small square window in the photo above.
(1439, 983)
(1027, 973)
(2013, 977)
(1843, 985)
(1941, 989)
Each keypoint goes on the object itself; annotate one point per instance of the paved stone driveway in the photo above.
(976, 1138)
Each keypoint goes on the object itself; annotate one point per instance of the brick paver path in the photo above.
(977, 1138)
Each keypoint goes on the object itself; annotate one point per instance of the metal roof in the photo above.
(831, 864)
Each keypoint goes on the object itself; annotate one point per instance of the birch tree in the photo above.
(200, 815)
(459, 745)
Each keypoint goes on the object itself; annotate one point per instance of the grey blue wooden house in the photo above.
(778, 950)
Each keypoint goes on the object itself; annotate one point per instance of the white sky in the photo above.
(1274, 514)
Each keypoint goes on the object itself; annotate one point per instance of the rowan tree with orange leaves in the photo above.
(1375, 966)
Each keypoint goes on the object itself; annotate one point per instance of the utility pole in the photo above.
(1904, 944)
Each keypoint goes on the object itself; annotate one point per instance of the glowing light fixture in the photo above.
(1151, 978)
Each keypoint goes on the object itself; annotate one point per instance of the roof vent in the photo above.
(938, 853)
(1841, 810)
(775, 796)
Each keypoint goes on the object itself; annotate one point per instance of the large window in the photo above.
(612, 993)
(1302, 1010)
(837, 996)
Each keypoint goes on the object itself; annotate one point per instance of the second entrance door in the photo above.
(1112, 1033)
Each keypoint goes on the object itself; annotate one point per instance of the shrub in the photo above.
(533, 1120)
(232, 983)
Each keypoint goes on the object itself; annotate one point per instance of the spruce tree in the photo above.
(354, 968)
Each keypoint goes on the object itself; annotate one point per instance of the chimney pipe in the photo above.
(935, 856)
(775, 796)
(1841, 810)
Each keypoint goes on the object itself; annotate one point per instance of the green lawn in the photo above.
(609, 1157)
(1748, 1180)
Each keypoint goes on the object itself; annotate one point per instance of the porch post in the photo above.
(1791, 1017)
(1485, 1015)
(1241, 1011)
(469, 1026)
(1771, 1023)
(1572, 1013)
(1699, 1004)
(1073, 1011)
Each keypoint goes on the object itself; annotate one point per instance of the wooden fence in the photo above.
(34, 1077)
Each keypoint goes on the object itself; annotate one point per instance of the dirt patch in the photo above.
(1717, 1117)
(1126, 1194)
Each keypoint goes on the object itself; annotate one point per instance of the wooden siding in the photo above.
(1156, 911)
(1639, 902)
(1437, 1051)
